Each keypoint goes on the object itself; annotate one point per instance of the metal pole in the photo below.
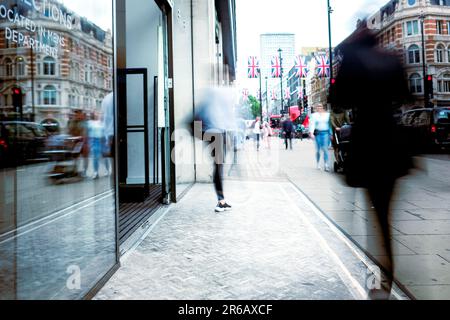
(33, 108)
(267, 99)
(330, 11)
(260, 95)
(281, 80)
(424, 69)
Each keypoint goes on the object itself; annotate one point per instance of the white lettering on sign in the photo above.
(26, 33)
(26, 41)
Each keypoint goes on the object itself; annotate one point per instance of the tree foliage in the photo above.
(255, 106)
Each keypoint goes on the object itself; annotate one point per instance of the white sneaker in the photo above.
(327, 168)
(318, 167)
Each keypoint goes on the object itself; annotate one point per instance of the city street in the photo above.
(39, 197)
(275, 238)
(420, 217)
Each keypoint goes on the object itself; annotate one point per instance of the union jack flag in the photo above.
(287, 94)
(276, 67)
(245, 95)
(253, 67)
(274, 95)
(323, 66)
(302, 68)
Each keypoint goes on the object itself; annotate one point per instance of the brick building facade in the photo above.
(398, 27)
(70, 65)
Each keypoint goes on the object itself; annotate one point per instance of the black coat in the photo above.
(372, 84)
(288, 126)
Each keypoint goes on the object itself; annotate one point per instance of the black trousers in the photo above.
(218, 181)
(380, 194)
(288, 138)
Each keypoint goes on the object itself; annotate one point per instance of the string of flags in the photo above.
(274, 94)
(301, 68)
(245, 94)
(254, 69)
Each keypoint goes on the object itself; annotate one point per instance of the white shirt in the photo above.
(320, 121)
(257, 129)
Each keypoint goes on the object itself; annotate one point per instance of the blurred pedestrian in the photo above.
(257, 131)
(77, 127)
(371, 83)
(96, 136)
(267, 133)
(339, 118)
(321, 132)
(288, 130)
(108, 125)
(214, 117)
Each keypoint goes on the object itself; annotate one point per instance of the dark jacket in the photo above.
(372, 84)
(288, 126)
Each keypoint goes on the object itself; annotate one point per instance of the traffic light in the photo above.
(305, 103)
(429, 87)
(17, 99)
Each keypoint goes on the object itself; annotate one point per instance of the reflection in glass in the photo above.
(57, 200)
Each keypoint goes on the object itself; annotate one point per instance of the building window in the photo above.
(414, 54)
(49, 66)
(440, 2)
(412, 28)
(440, 27)
(75, 71)
(87, 74)
(49, 96)
(415, 83)
(411, 2)
(440, 53)
(444, 83)
(9, 70)
(20, 63)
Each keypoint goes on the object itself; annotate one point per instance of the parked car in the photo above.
(430, 127)
(21, 143)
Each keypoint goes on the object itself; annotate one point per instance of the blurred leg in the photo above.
(380, 195)
(318, 148)
(218, 184)
(325, 146)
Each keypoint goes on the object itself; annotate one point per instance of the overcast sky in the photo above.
(306, 18)
(96, 11)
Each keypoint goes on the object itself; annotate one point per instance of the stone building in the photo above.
(398, 27)
(66, 65)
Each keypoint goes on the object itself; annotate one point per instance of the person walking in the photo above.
(339, 118)
(321, 132)
(267, 133)
(257, 131)
(78, 127)
(288, 130)
(372, 84)
(214, 117)
(96, 136)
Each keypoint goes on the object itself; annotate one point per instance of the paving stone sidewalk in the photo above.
(420, 216)
(264, 249)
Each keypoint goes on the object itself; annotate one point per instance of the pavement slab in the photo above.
(266, 248)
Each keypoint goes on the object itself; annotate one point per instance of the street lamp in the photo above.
(281, 77)
(267, 98)
(424, 68)
(330, 11)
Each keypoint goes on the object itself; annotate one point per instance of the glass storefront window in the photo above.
(57, 175)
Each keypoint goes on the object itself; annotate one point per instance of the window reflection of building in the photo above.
(83, 63)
